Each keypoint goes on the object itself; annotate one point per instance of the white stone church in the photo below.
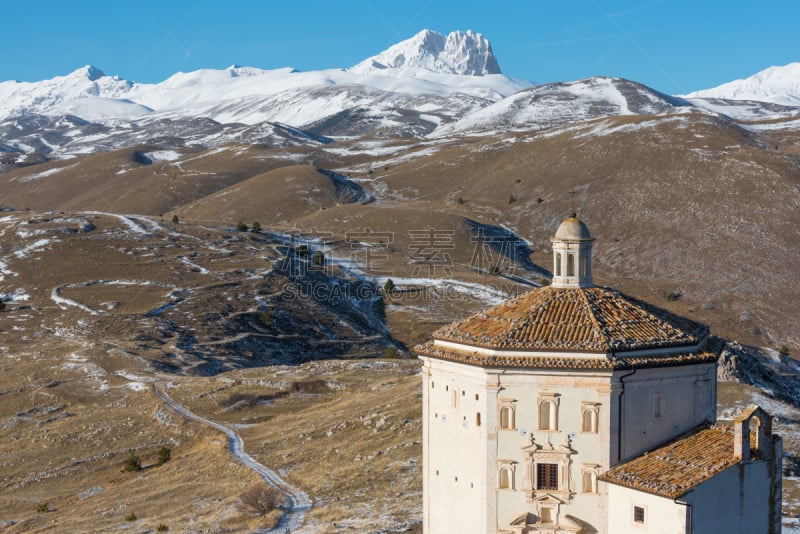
(577, 409)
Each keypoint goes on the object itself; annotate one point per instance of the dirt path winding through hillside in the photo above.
(299, 500)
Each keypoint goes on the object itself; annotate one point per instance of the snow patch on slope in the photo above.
(780, 85)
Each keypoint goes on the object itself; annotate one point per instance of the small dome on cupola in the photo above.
(572, 254)
(573, 228)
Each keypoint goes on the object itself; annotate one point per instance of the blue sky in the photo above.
(675, 46)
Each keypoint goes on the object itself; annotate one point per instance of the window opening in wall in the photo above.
(478, 419)
(547, 415)
(589, 482)
(463, 392)
(547, 515)
(589, 419)
(638, 514)
(570, 264)
(506, 417)
(506, 481)
(547, 476)
(433, 384)
(558, 264)
(584, 270)
(476, 396)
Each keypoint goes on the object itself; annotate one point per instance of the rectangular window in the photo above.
(638, 514)
(547, 476)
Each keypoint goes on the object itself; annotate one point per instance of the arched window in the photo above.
(570, 264)
(589, 419)
(547, 415)
(755, 427)
(507, 417)
(506, 478)
(558, 264)
(589, 482)
(477, 418)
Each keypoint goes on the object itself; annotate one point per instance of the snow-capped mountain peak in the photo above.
(463, 53)
(779, 85)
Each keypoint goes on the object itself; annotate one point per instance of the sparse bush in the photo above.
(391, 353)
(175, 219)
(133, 463)
(131, 517)
(266, 317)
(309, 386)
(460, 200)
(318, 258)
(302, 250)
(783, 350)
(241, 227)
(164, 455)
(256, 228)
(494, 269)
(43, 507)
(162, 528)
(263, 499)
(388, 286)
(672, 296)
(511, 199)
(539, 200)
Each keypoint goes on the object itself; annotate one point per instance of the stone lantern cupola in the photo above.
(572, 254)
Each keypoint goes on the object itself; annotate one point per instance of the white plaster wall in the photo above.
(688, 398)
(454, 449)
(734, 501)
(525, 388)
(662, 515)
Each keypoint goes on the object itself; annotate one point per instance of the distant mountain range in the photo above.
(429, 85)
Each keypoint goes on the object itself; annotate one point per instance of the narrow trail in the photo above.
(299, 501)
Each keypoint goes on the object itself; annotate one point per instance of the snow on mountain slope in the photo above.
(555, 104)
(461, 63)
(464, 53)
(779, 85)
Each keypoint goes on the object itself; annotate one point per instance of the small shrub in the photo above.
(388, 286)
(131, 517)
(309, 386)
(512, 199)
(494, 269)
(783, 350)
(256, 228)
(162, 528)
(133, 463)
(672, 296)
(302, 250)
(43, 507)
(175, 219)
(391, 353)
(164, 455)
(262, 499)
(266, 317)
(318, 258)
(539, 200)
(241, 227)
(460, 200)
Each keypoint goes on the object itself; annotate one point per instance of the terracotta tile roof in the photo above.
(590, 319)
(708, 355)
(674, 469)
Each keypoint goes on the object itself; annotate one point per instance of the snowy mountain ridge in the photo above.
(463, 53)
(779, 85)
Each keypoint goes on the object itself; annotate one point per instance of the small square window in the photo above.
(638, 514)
